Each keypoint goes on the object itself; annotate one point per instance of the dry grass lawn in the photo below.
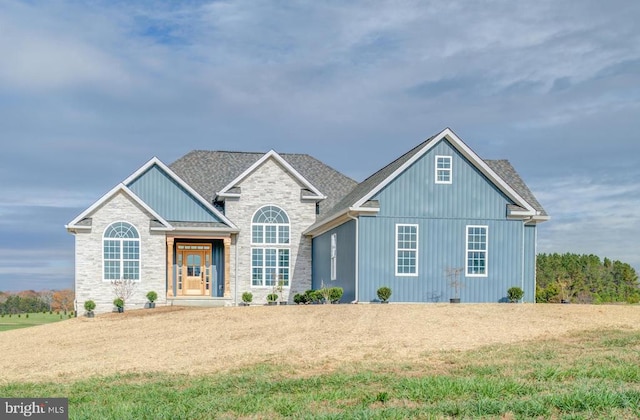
(313, 337)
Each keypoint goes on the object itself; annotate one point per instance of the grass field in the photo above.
(335, 361)
(583, 375)
(29, 320)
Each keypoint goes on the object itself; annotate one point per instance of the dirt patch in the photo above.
(315, 337)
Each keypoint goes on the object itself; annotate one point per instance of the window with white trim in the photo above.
(406, 250)
(121, 252)
(477, 248)
(334, 256)
(443, 169)
(270, 230)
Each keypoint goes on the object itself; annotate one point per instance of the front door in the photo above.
(194, 273)
(194, 263)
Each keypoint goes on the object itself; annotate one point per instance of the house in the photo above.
(213, 225)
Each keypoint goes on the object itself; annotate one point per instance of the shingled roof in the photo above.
(208, 172)
(508, 173)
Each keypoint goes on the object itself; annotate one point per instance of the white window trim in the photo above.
(139, 239)
(264, 267)
(467, 250)
(334, 256)
(450, 169)
(277, 225)
(395, 256)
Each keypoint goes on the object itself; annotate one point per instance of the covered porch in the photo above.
(198, 270)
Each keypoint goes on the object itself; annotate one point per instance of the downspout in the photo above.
(524, 223)
(357, 262)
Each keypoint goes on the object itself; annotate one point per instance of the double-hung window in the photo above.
(477, 248)
(406, 250)
(121, 252)
(270, 247)
(443, 169)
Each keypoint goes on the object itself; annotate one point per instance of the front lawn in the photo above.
(14, 321)
(588, 375)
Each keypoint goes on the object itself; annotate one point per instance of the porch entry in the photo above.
(195, 273)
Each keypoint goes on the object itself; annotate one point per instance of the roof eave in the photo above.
(339, 218)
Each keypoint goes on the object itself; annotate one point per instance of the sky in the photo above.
(91, 90)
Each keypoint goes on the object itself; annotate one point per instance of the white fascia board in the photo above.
(175, 177)
(364, 210)
(228, 195)
(338, 219)
(271, 154)
(487, 171)
(313, 197)
(115, 190)
(448, 134)
(319, 228)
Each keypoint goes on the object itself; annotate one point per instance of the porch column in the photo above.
(227, 267)
(169, 267)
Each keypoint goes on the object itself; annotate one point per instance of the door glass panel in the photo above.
(194, 264)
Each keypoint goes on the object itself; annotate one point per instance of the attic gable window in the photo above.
(443, 169)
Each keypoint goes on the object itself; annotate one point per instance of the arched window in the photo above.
(121, 252)
(270, 251)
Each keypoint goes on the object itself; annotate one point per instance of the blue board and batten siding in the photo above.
(172, 201)
(345, 263)
(442, 213)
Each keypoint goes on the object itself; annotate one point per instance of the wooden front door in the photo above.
(194, 277)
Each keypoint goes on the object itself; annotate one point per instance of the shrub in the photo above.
(118, 302)
(247, 297)
(152, 296)
(89, 305)
(26, 316)
(335, 294)
(384, 293)
(312, 296)
(272, 297)
(515, 294)
(300, 298)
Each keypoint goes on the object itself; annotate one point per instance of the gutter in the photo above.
(357, 262)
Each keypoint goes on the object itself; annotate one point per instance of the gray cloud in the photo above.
(89, 92)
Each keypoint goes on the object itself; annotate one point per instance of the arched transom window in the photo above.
(121, 252)
(270, 251)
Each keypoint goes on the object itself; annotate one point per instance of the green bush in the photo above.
(300, 298)
(514, 294)
(247, 297)
(384, 293)
(118, 302)
(152, 296)
(89, 305)
(335, 294)
(272, 297)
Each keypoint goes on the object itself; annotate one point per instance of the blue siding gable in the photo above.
(414, 193)
(167, 197)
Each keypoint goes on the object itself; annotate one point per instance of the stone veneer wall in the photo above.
(271, 184)
(88, 282)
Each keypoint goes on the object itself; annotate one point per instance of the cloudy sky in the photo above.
(90, 91)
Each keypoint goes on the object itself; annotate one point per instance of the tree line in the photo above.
(30, 301)
(585, 279)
